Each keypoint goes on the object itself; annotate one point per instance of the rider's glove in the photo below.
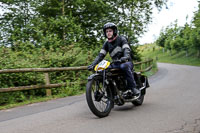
(90, 67)
(123, 59)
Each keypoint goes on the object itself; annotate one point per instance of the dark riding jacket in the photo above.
(117, 49)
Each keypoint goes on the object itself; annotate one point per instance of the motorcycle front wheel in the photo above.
(99, 97)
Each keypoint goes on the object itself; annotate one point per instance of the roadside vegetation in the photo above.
(157, 53)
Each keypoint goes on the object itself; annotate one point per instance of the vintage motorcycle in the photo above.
(107, 87)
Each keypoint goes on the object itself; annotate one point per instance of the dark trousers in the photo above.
(127, 69)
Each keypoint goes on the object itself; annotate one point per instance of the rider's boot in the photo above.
(135, 92)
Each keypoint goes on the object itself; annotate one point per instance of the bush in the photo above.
(41, 58)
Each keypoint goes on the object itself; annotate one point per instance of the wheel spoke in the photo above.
(103, 103)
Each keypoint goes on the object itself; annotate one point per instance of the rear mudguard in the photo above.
(141, 79)
(144, 80)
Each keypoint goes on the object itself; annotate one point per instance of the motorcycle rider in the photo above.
(118, 48)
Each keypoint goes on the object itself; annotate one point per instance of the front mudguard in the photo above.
(95, 76)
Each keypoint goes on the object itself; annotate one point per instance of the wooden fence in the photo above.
(143, 67)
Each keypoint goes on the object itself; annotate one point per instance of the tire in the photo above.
(98, 99)
(139, 101)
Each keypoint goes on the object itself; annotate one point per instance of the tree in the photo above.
(14, 22)
(131, 16)
(186, 37)
(74, 20)
(195, 36)
(171, 37)
(162, 38)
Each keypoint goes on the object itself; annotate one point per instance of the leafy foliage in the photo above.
(68, 21)
(183, 38)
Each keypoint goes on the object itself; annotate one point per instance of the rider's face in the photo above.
(109, 33)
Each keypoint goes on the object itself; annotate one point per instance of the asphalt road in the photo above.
(172, 105)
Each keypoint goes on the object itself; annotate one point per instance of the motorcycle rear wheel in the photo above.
(99, 98)
(139, 101)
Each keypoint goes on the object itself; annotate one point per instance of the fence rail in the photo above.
(147, 64)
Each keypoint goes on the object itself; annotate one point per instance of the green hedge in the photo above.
(42, 58)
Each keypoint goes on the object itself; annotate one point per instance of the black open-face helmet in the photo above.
(112, 26)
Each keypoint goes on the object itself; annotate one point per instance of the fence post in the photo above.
(47, 82)
(141, 67)
(150, 63)
(146, 65)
